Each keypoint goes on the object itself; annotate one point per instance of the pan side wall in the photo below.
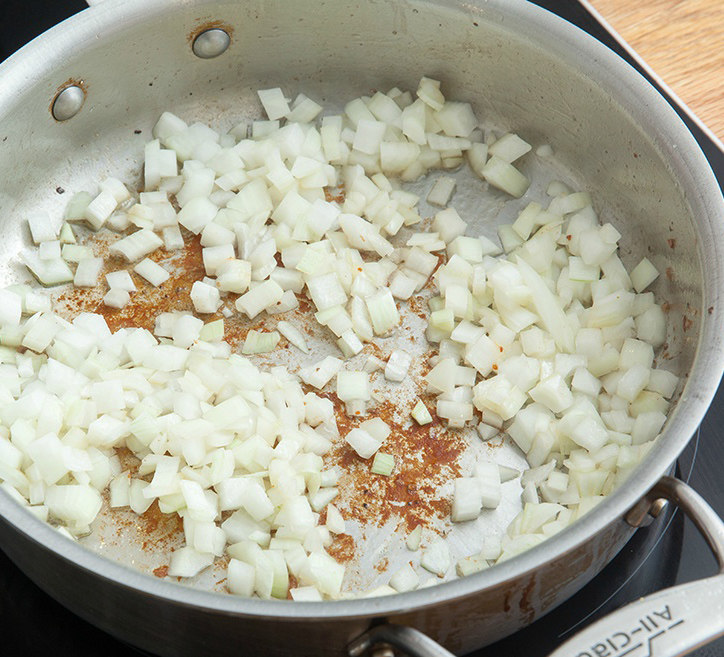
(172, 629)
(140, 65)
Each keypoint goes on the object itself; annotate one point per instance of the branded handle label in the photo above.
(640, 641)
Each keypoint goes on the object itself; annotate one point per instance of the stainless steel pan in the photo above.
(524, 69)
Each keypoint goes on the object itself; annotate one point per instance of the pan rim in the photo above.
(692, 172)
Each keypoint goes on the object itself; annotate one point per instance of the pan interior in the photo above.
(144, 65)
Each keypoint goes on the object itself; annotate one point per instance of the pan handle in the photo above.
(669, 623)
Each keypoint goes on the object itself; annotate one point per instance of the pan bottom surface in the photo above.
(666, 553)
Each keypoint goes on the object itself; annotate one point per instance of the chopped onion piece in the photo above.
(259, 343)
(10, 308)
(414, 538)
(398, 365)
(643, 275)
(259, 298)
(274, 103)
(505, 176)
(152, 272)
(470, 565)
(42, 228)
(294, 335)
(306, 594)
(383, 464)
(116, 298)
(420, 413)
(383, 311)
(240, 577)
(362, 443)
(335, 522)
(467, 500)
(405, 579)
(353, 386)
(509, 147)
(321, 373)
(441, 191)
(436, 557)
(48, 272)
(206, 298)
(137, 245)
(187, 562)
(120, 280)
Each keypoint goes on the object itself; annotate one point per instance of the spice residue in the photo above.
(161, 571)
(342, 548)
(425, 458)
(156, 528)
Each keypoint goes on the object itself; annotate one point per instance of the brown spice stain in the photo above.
(526, 604)
(671, 242)
(506, 601)
(129, 461)
(70, 82)
(209, 25)
(304, 304)
(339, 197)
(426, 457)
(418, 305)
(158, 528)
(161, 571)
(670, 273)
(147, 302)
(293, 584)
(342, 548)
(686, 323)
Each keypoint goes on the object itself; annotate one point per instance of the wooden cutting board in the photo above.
(683, 42)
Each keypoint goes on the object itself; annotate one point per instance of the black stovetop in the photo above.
(668, 552)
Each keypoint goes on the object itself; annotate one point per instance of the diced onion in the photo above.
(551, 343)
(383, 464)
(259, 343)
(152, 272)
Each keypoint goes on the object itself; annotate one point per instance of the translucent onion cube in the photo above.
(152, 272)
(383, 311)
(436, 557)
(353, 386)
(205, 297)
(274, 103)
(397, 365)
(405, 579)
(362, 442)
(467, 501)
(441, 191)
(505, 176)
(643, 275)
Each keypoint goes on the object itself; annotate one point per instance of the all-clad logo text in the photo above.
(637, 642)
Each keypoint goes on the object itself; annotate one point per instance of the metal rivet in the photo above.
(211, 43)
(657, 507)
(68, 103)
